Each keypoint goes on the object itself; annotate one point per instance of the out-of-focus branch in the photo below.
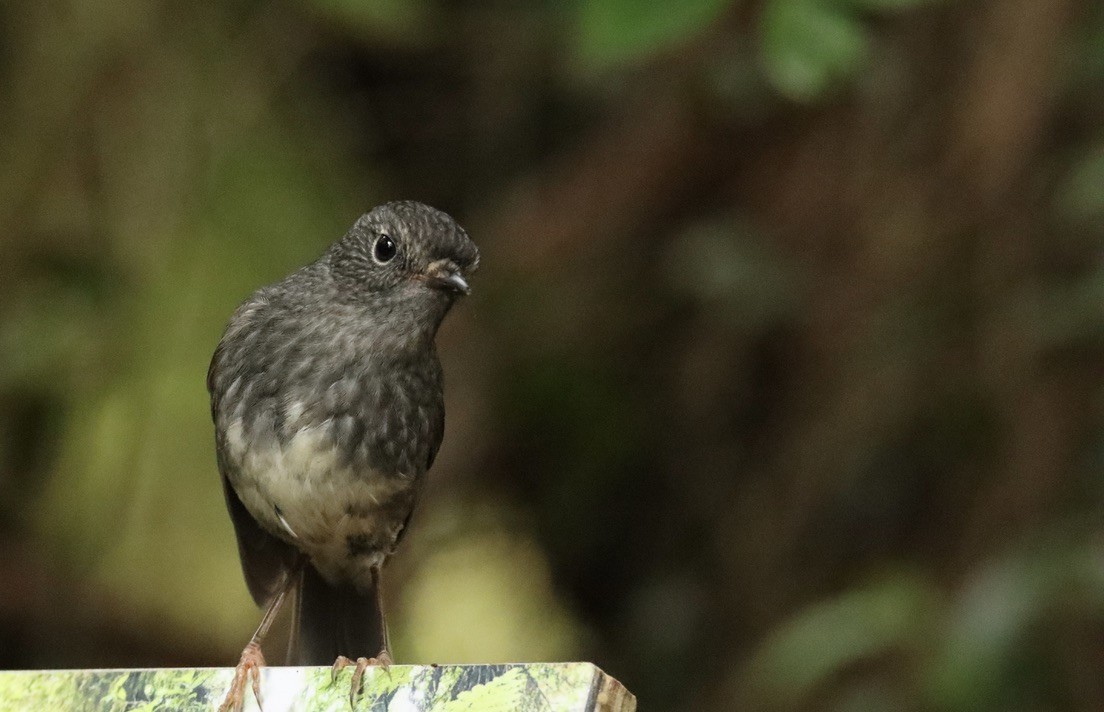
(1006, 96)
(1007, 102)
(638, 166)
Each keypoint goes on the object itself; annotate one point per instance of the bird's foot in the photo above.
(247, 671)
(382, 660)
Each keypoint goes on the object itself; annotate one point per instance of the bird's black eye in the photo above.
(385, 249)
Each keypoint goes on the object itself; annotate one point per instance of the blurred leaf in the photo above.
(615, 32)
(989, 620)
(825, 638)
(810, 47)
(978, 664)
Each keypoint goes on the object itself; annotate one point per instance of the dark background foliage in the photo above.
(781, 383)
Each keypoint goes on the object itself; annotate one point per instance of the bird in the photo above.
(327, 399)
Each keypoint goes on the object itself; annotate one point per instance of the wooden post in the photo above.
(547, 687)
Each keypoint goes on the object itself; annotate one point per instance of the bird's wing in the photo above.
(264, 558)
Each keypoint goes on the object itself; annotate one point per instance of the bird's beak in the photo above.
(447, 277)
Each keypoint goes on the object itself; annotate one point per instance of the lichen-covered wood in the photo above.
(538, 687)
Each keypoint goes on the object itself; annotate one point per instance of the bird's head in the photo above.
(405, 254)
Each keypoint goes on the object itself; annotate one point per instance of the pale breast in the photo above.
(303, 491)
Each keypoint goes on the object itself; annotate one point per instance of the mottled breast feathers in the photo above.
(326, 440)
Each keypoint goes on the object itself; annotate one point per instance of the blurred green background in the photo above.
(780, 388)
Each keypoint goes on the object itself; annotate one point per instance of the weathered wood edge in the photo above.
(607, 694)
(556, 687)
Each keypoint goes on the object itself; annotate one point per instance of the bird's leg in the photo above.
(382, 658)
(252, 659)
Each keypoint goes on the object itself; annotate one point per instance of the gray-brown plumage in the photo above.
(326, 393)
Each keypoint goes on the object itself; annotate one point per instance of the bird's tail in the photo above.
(335, 620)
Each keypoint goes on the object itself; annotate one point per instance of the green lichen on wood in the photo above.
(543, 687)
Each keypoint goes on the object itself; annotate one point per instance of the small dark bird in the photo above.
(326, 392)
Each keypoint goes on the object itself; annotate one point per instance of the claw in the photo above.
(382, 660)
(340, 664)
(358, 678)
(248, 670)
(257, 689)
